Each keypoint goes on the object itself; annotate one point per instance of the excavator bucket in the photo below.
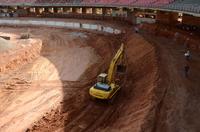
(121, 68)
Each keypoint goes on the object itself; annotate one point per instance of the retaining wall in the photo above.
(61, 24)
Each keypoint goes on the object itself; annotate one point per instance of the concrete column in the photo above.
(74, 10)
(83, 10)
(28, 10)
(37, 10)
(94, 11)
(104, 11)
(131, 16)
(46, 10)
(114, 12)
(55, 10)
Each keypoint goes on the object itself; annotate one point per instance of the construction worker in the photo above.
(186, 70)
(187, 55)
(176, 35)
(136, 29)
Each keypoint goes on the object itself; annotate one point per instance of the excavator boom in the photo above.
(118, 57)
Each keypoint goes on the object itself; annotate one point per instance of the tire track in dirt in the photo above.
(174, 88)
(92, 116)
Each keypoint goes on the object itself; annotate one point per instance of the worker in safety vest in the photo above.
(187, 55)
(186, 70)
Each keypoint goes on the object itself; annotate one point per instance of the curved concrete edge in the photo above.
(61, 24)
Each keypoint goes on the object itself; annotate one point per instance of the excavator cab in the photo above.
(102, 78)
(102, 82)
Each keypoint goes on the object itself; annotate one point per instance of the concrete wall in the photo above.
(145, 20)
(61, 24)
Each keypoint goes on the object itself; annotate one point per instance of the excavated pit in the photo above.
(35, 75)
(45, 82)
(50, 92)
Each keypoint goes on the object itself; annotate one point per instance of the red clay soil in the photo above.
(155, 95)
(75, 108)
(179, 109)
(35, 88)
(177, 35)
(25, 51)
(132, 107)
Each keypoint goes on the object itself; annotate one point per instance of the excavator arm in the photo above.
(118, 57)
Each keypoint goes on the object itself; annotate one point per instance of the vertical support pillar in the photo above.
(55, 10)
(37, 10)
(46, 10)
(131, 18)
(104, 13)
(94, 11)
(74, 10)
(83, 10)
(114, 13)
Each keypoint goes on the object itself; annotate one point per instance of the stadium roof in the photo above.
(186, 6)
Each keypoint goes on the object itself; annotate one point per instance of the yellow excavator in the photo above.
(106, 87)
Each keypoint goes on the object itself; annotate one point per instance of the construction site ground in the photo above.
(48, 91)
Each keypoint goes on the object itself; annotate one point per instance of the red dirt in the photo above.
(178, 109)
(24, 52)
(79, 113)
(36, 87)
(155, 96)
(176, 35)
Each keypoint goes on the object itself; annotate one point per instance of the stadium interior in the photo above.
(51, 52)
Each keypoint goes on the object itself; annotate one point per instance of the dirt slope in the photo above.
(132, 107)
(179, 109)
(30, 91)
(50, 93)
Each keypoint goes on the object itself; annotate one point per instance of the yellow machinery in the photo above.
(106, 88)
